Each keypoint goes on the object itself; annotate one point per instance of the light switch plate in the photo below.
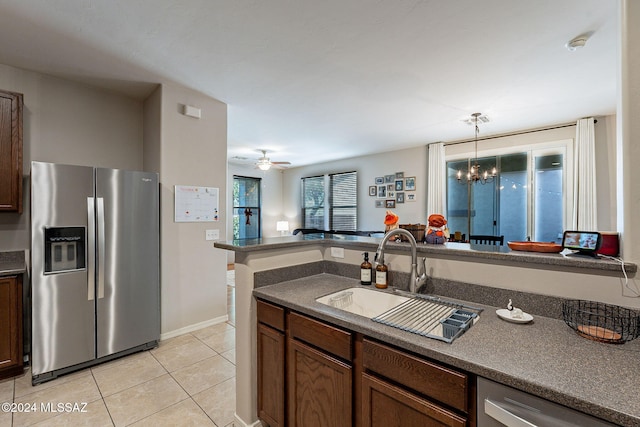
(212, 235)
(337, 252)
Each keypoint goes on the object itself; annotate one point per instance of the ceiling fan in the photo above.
(264, 163)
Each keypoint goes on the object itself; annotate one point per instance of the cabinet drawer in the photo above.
(428, 378)
(326, 337)
(270, 314)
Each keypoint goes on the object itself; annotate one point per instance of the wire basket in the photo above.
(601, 322)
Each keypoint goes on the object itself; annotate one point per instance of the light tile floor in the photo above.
(188, 380)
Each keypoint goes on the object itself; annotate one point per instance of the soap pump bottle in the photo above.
(365, 270)
(381, 274)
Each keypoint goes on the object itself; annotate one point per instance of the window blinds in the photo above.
(313, 202)
(343, 201)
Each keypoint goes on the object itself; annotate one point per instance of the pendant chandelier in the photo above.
(474, 174)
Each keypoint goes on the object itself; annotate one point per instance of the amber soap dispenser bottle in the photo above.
(366, 270)
(381, 275)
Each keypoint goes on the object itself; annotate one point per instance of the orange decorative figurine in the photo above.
(390, 221)
(437, 231)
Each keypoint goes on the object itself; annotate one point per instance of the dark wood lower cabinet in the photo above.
(385, 405)
(319, 388)
(11, 361)
(271, 386)
(314, 374)
(271, 364)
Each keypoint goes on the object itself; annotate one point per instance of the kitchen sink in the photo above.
(365, 302)
(424, 315)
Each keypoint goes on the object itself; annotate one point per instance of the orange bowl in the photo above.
(535, 247)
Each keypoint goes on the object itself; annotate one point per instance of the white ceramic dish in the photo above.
(505, 314)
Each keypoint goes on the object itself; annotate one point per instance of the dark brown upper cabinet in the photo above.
(11, 105)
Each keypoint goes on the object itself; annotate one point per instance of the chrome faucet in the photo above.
(416, 280)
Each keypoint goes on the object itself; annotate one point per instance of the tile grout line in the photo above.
(104, 402)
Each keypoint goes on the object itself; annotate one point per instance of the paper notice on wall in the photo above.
(196, 204)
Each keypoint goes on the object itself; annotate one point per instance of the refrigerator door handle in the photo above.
(101, 246)
(91, 249)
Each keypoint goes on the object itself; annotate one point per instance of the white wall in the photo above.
(192, 152)
(412, 161)
(68, 122)
(606, 170)
(628, 134)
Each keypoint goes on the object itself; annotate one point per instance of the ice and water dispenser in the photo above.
(64, 249)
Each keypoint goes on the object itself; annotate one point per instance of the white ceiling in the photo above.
(318, 80)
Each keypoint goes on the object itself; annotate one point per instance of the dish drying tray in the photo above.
(431, 317)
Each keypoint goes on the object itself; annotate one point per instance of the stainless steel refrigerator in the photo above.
(95, 287)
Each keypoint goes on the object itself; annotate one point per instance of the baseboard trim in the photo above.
(239, 422)
(193, 327)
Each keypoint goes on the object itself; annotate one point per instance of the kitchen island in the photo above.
(535, 353)
(544, 358)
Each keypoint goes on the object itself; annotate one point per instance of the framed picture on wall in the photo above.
(410, 197)
(410, 183)
(382, 191)
(379, 203)
(390, 203)
(388, 179)
(373, 190)
(399, 175)
(379, 180)
(399, 184)
(400, 197)
(390, 187)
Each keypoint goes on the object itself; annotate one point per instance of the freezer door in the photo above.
(128, 246)
(63, 307)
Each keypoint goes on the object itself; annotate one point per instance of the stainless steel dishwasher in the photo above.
(499, 405)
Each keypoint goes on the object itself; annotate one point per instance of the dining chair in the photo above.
(487, 240)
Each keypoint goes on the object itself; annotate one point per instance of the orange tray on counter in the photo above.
(535, 247)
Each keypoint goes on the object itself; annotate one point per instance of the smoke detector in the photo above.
(577, 43)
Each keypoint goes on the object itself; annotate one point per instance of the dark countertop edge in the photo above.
(12, 263)
(444, 352)
(518, 258)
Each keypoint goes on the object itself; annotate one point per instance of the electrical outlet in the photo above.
(337, 252)
(212, 234)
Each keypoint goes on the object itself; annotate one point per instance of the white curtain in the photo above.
(584, 195)
(437, 180)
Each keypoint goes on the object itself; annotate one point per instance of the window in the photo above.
(246, 208)
(527, 200)
(548, 197)
(340, 199)
(313, 202)
(343, 202)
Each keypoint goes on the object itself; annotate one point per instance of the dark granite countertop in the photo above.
(12, 263)
(544, 358)
(460, 251)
